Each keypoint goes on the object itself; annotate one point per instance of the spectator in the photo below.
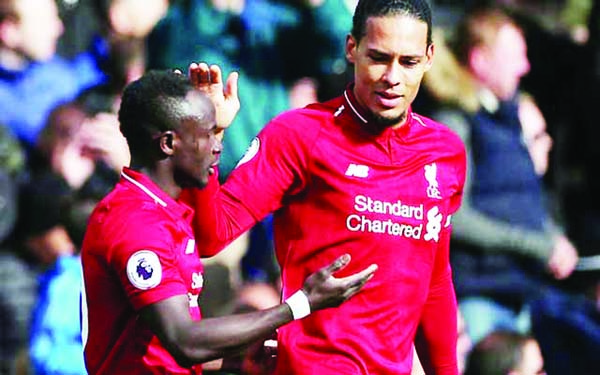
(237, 35)
(17, 281)
(506, 353)
(33, 79)
(507, 250)
(120, 45)
(80, 155)
(365, 174)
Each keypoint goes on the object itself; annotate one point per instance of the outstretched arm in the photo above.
(191, 342)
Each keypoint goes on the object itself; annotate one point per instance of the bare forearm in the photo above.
(223, 336)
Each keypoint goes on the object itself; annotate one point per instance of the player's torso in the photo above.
(386, 201)
(147, 266)
(385, 198)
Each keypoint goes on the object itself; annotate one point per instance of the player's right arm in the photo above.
(191, 342)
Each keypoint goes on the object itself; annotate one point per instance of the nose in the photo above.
(393, 74)
(217, 146)
(526, 66)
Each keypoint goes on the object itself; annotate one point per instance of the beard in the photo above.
(383, 122)
(184, 179)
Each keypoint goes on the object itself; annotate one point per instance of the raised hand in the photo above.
(101, 139)
(209, 80)
(564, 258)
(324, 290)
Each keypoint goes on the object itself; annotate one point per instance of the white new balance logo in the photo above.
(357, 170)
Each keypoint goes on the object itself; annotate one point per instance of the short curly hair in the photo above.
(150, 105)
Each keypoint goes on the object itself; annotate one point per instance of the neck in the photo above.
(12, 60)
(161, 174)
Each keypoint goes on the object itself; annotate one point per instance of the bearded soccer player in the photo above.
(361, 173)
(141, 263)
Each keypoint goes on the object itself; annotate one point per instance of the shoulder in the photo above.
(444, 134)
(455, 119)
(120, 226)
(123, 211)
(306, 122)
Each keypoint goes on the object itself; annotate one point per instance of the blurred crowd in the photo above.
(525, 239)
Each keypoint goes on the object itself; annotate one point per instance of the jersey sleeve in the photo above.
(461, 175)
(272, 170)
(438, 332)
(145, 259)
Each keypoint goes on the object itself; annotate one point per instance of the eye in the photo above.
(410, 61)
(377, 57)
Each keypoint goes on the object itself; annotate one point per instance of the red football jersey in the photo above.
(139, 249)
(336, 186)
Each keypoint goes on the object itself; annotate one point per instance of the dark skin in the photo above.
(186, 156)
(193, 342)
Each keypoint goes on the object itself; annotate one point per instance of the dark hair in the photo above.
(418, 9)
(151, 105)
(101, 8)
(497, 354)
(8, 10)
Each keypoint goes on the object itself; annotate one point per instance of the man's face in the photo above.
(38, 29)
(532, 362)
(196, 147)
(389, 63)
(138, 17)
(505, 62)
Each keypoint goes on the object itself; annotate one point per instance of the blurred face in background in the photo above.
(136, 18)
(532, 362)
(501, 64)
(36, 30)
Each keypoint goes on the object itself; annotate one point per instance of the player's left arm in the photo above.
(437, 333)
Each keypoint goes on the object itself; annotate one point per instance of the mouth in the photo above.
(213, 168)
(388, 99)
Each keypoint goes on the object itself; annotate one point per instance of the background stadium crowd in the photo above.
(64, 64)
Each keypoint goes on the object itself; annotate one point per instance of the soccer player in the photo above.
(141, 263)
(362, 174)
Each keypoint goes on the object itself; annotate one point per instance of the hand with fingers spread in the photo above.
(323, 290)
(209, 80)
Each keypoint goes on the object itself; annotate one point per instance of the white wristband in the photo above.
(298, 303)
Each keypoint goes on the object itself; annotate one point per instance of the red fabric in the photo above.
(336, 187)
(127, 221)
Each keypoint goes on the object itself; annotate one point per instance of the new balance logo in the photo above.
(357, 170)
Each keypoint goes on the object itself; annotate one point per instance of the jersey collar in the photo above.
(362, 116)
(145, 184)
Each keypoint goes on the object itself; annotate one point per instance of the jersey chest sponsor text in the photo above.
(395, 218)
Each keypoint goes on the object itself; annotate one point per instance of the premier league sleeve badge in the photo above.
(144, 270)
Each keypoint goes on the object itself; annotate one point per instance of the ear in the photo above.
(166, 142)
(429, 57)
(477, 60)
(351, 46)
